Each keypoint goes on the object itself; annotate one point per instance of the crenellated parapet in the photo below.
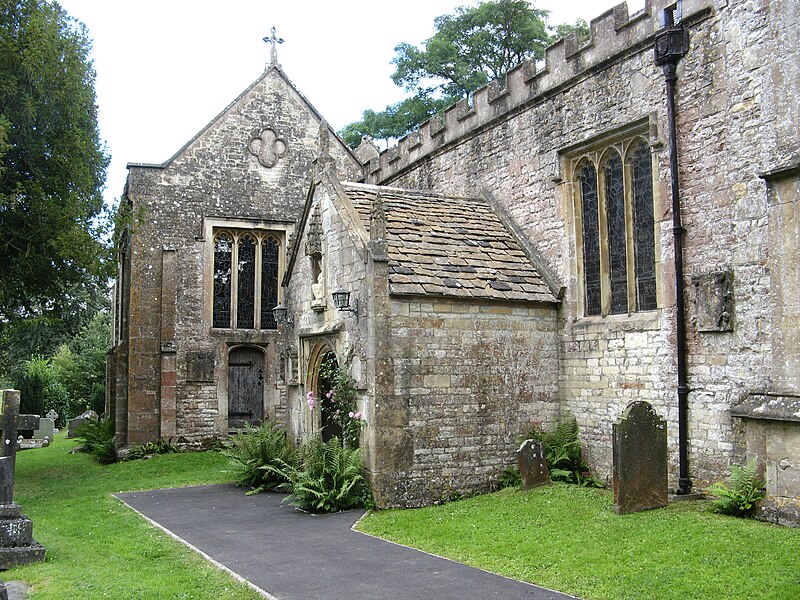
(614, 35)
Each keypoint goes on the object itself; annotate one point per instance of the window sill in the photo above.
(639, 321)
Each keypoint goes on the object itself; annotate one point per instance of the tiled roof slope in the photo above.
(447, 246)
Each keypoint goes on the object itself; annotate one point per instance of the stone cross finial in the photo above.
(274, 40)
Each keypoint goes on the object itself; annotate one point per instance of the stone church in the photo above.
(617, 222)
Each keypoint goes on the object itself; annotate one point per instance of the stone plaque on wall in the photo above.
(200, 366)
(714, 301)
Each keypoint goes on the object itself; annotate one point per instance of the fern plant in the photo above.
(745, 491)
(98, 439)
(327, 478)
(562, 450)
(254, 450)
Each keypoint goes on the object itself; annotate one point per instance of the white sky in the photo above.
(165, 68)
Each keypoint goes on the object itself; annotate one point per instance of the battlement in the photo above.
(613, 34)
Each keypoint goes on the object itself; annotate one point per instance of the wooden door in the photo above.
(245, 387)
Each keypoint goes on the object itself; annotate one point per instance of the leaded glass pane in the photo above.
(644, 237)
(269, 282)
(223, 252)
(615, 224)
(591, 238)
(246, 288)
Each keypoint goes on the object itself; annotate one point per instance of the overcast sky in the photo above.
(165, 68)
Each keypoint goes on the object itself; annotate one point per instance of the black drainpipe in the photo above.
(671, 44)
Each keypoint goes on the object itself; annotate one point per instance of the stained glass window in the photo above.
(246, 287)
(617, 231)
(223, 253)
(238, 292)
(644, 237)
(269, 282)
(615, 228)
(591, 237)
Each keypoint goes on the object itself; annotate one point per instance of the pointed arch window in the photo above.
(614, 187)
(244, 296)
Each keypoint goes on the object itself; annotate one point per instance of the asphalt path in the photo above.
(287, 554)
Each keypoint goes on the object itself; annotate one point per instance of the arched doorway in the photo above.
(330, 428)
(245, 387)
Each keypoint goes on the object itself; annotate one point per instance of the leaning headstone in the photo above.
(75, 424)
(17, 546)
(640, 459)
(532, 464)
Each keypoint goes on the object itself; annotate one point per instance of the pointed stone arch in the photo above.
(322, 355)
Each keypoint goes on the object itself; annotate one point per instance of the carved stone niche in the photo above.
(200, 366)
(714, 301)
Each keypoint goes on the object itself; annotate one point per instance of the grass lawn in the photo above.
(98, 548)
(568, 538)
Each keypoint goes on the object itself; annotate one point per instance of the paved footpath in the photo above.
(290, 555)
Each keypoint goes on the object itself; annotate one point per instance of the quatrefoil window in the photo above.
(267, 147)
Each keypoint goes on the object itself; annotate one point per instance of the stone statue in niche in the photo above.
(267, 147)
(714, 301)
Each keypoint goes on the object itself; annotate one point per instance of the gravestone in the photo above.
(46, 429)
(75, 424)
(640, 459)
(17, 546)
(532, 464)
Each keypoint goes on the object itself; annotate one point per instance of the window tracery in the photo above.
(243, 298)
(614, 205)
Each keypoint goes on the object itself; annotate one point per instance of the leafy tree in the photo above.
(580, 27)
(52, 163)
(471, 47)
(395, 121)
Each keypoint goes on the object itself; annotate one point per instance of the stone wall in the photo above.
(248, 168)
(469, 380)
(737, 116)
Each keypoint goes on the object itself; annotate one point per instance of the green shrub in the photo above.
(162, 446)
(98, 439)
(744, 493)
(328, 478)
(510, 477)
(254, 450)
(562, 449)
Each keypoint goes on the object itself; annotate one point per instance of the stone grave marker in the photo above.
(75, 424)
(17, 546)
(640, 459)
(532, 464)
(46, 429)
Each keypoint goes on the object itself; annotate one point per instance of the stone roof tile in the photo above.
(448, 246)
